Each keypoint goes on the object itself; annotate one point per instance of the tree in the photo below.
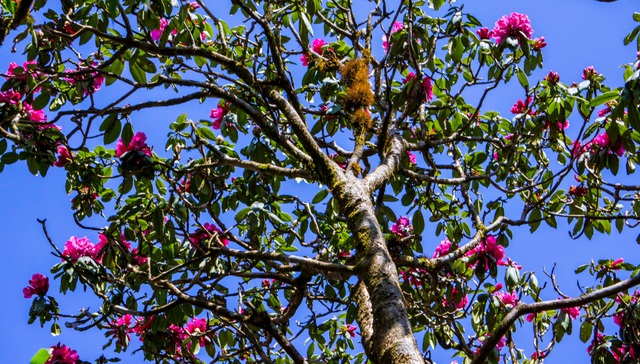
(205, 245)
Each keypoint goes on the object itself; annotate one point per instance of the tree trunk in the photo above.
(386, 332)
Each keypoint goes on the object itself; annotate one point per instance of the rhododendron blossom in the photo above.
(604, 141)
(426, 85)
(459, 304)
(508, 299)
(511, 25)
(38, 285)
(396, 27)
(538, 44)
(488, 248)
(442, 249)
(208, 230)
(156, 34)
(484, 33)
(521, 107)
(573, 312)
(316, 47)
(402, 228)
(62, 354)
(553, 77)
(63, 156)
(218, 115)
(10, 97)
(198, 327)
(589, 73)
(137, 143)
(412, 158)
(83, 74)
(76, 248)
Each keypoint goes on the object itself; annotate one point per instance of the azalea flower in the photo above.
(511, 25)
(137, 143)
(38, 285)
(396, 27)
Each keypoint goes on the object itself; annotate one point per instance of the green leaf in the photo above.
(306, 22)
(522, 78)
(206, 132)
(601, 99)
(41, 357)
(127, 133)
(418, 222)
(586, 329)
(320, 196)
(55, 329)
(139, 75)
(112, 134)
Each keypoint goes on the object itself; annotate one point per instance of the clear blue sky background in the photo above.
(579, 33)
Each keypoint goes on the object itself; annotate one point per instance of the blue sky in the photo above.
(579, 33)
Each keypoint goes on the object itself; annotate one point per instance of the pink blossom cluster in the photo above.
(76, 248)
(509, 300)
(553, 77)
(138, 143)
(412, 275)
(511, 25)
(488, 248)
(84, 74)
(349, 329)
(605, 142)
(522, 107)
(11, 71)
(10, 97)
(589, 73)
(397, 26)
(317, 47)
(218, 115)
(412, 158)
(156, 34)
(62, 354)
(208, 230)
(460, 304)
(38, 285)
(402, 228)
(578, 191)
(443, 249)
(63, 156)
(426, 85)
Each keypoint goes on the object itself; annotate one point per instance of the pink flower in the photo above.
(539, 355)
(350, 329)
(37, 116)
(616, 263)
(508, 299)
(412, 158)
(589, 73)
(553, 78)
(316, 47)
(538, 44)
(402, 228)
(198, 327)
(460, 304)
(426, 85)
(488, 248)
(94, 80)
(604, 111)
(61, 354)
(578, 191)
(38, 285)
(193, 6)
(156, 34)
(207, 231)
(442, 249)
(573, 312)
(484, 33)
(396, 27)
(76, 248)
(511, 25)
(11, 70)
(595, 342)
(521, 107)
(63, 156)
(530, 317)
(412, 276)
(344, 255)
(618, 318)
(217, 115)
(604, 142)
(137, 143)
(120, 329)
(10, 97)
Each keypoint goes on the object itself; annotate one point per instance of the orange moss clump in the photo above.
(358, 95)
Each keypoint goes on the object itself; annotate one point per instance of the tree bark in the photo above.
(386, 332)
